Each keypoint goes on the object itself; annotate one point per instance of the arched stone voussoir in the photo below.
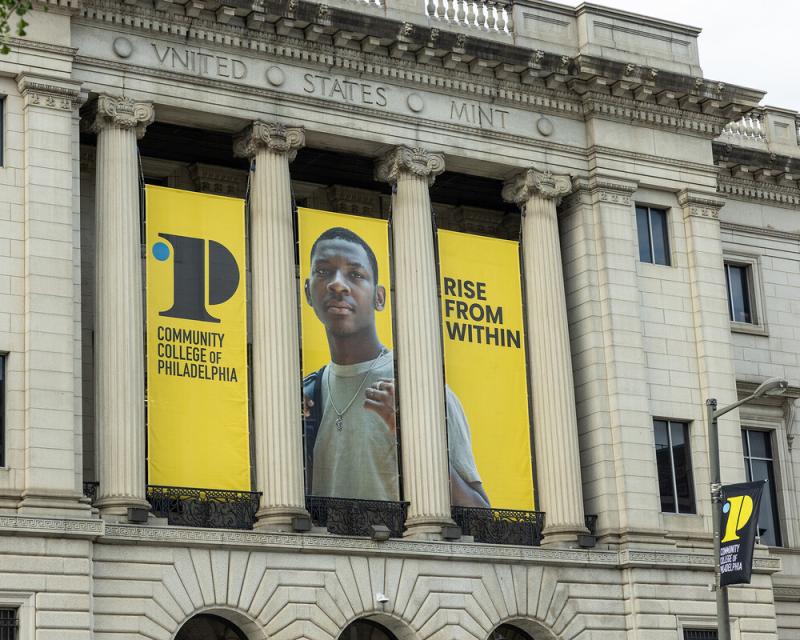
(251, 629)
(535, 628)
(398, 626)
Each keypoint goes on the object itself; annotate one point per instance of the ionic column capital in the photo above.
(272, 136)
(120, 112)
(416, 161)
(531, 182)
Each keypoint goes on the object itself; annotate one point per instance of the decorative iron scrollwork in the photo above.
(500, 526)
(348, 517)
(90, 490)
(208, 508)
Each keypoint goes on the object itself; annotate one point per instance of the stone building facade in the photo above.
(470, 111)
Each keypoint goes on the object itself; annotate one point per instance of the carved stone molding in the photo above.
(786, 594)
(48, 526)
(702, 205)
(611, 191)
(361, 202)
(120, 112)
(416, 161)
(221, 181)
(38, 91)
(531, 182)
(786, 196)
(273, 136)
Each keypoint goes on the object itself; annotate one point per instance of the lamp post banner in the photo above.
(197, 409)
(739, 505)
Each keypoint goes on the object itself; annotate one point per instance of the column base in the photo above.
(426, 527)
(279, 519)
(117, 506)
(563, 536)
(64, 505)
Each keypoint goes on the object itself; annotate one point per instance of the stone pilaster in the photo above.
(558, 470)
(712, 323)
(47, 351)
(119, 325)
(276, 342)
(419, 339)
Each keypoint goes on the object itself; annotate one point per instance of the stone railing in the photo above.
(748, 127)
(483, 15)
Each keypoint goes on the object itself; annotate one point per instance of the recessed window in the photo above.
(8, 623)
(651, 226)
(758, 465)
(739, 280)
(2, 412)
(699, 634)
(674, 461)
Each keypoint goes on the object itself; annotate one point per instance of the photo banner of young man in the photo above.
(349, 404)
(197, 410)
(485, 368)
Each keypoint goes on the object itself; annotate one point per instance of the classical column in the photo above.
(419, 339)
(558, 469)
(119, 324)
(276, 343)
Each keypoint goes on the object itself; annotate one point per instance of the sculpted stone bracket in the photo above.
(701, 205)
(273, 136)
(531, 183)
(37, 91)
(416, 161)
(120, 112)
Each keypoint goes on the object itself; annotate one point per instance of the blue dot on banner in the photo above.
(726, 507)
(160, 251)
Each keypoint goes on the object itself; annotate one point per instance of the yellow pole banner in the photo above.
(485, 363)
(197, 398)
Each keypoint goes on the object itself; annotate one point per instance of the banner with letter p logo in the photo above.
(738, 529)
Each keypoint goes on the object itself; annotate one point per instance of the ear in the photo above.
(307, 289)
(380, 297)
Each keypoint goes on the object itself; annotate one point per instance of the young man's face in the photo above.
(342, 288)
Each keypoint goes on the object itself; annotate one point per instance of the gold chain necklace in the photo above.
(340, 414)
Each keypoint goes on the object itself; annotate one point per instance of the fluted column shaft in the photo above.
(558, 470)
(418, 340)
(276, 342)
(119, 325)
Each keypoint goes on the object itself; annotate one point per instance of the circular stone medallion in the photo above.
(275, 76)
(544, 126)
(122, 47)
(415, 102)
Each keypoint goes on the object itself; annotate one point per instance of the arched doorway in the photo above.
(509, 632)
(366, 630)
(206, 626)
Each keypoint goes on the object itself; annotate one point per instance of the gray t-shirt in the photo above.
(360, 460)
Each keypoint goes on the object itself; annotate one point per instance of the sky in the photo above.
(747, 43)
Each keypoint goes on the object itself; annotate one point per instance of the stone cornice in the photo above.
(52, 93)
(700, 204)
(448, 60)
(222, 181)
(416, 161)
(750, 189)
(64, 527)
(597, 189)
(272, 136)
(759, 231)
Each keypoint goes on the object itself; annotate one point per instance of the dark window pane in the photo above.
(2, 410)
(683, 467)
(658, 224)
(643, 230)
(768, 524)
(699, 634)
(745, 446)
(8, 624)
(759, 444)
(664, 463)
(739, 293)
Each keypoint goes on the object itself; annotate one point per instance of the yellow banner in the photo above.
(350, 428)
(196, 341)
(485, 361)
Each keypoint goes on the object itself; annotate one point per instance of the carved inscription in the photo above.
(482, 115)
(202, 64)
(350, 91)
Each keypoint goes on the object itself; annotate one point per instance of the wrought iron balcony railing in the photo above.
(356, 517)
(500, 526)
(90, 490)
(210, 508)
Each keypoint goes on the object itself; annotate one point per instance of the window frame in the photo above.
(757, 325)
(691, 480)
(772, 435)
(3, 406)
(667, 237)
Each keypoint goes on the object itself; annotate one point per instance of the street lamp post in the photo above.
(773, 386)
